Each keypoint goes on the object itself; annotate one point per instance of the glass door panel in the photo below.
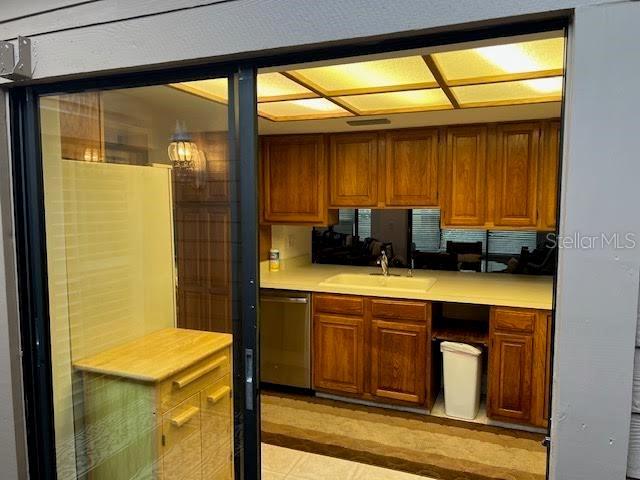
(140, 217)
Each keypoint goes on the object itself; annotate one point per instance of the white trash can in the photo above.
(462, 365)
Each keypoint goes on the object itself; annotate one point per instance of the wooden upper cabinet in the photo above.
(294, 174)
(353, 170)
(411, 158)
(465, 177)
(81, 127)
(548, 177)
(516, 170)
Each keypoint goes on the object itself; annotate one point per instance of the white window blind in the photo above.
(364, 223)
(510, 243)
(425, 229)
(459, 235)
(346, 218)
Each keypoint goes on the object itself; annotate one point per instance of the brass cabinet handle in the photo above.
(190, 377)
(216, 396)
(184, 416)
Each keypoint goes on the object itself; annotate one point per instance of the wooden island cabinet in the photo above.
(386, 350)
(160, 407)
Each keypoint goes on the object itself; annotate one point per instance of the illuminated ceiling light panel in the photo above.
(514, 60)
(271, 87)
(307, 109)
(214, 89)
(396, 102)
(505, 93)
(275, 87)
(367, 77)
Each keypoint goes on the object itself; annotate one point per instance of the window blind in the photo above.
(364, 223)
(346, 219)
(510, 242)
(425, 229)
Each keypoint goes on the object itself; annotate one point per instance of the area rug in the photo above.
(430, 446)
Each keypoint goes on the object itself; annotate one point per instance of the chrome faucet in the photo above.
(383, 261)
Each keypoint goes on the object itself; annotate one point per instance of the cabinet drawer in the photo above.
(193, 379)
(400, 310)
(340, 304)
(513, 319)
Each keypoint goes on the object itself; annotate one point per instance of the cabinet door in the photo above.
(202, 255)
(81, 127)
(338, 353)
(353, 170)
(181, 435)
(541, 370)
(217, 438)
(515, 174)
(412, 168)
(548, 177)
(398, 360)
(465, 177)
(510, 368)
(210, 182)
(294, 179)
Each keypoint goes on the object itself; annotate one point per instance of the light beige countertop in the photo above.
(502, 289)
(156, 356)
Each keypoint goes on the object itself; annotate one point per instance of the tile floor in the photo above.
(283, 463)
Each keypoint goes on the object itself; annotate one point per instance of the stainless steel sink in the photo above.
(363, 281)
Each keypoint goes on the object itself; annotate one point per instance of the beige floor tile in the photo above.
(269, 475)
(278, 460)
(368, 472)
(319, 467)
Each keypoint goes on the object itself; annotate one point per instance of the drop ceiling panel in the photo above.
(510, 61)
(503, 93)
(308, 109)
(373, 76)
(396, 102)
(276, 87)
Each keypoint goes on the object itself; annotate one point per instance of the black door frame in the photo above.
(31, 254)
(29, 215)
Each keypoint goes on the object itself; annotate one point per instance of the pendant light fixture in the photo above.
(182, 151)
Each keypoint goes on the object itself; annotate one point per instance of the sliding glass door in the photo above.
(145, 273)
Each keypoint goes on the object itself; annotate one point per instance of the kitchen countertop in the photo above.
(156, 356)
(502, 289)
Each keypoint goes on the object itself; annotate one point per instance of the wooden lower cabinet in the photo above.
(519, 365)
(511, 372)
(181, 434)
(371, 348)
(339, 353)
(160, 407)
(398, 360)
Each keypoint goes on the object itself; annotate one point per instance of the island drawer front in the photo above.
(513, 319)
(189, 381)
(400, 310)
(338, 304)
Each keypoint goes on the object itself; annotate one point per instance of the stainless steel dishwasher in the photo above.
(285, 338)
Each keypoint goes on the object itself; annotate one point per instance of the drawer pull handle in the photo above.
(183, 417)
(218, 394)
(190, 377)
